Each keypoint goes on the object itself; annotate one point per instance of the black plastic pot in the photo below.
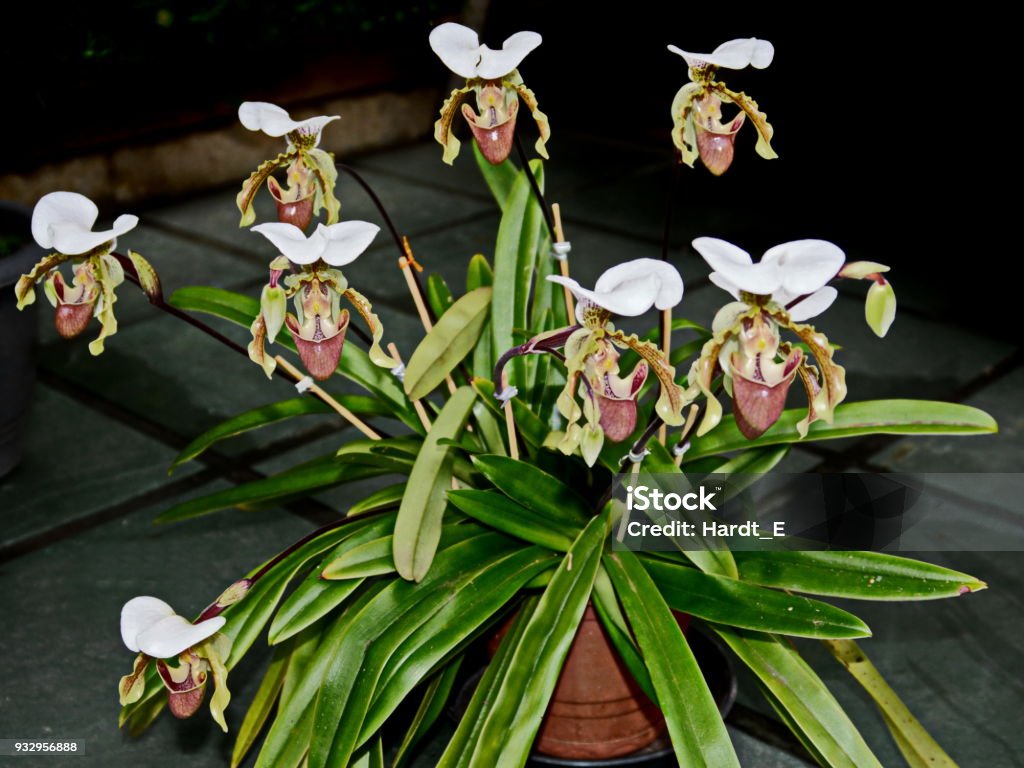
(17, 336)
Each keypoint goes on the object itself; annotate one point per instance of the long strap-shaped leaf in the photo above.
(535, 489)
(262, 704)
(858, 575)
(870, 417)
(698, 733)
(918, 747)
(463, 742)
(501, 513)
(808, 704)
(418, 528)
(431, 706)
(512, 723)
(353, 676)
(731, 602)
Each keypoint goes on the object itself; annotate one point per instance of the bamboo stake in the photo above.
(666, 348)
(420, 410)
(340, 409)
(563, 264)
(510, 422)
(407, 264)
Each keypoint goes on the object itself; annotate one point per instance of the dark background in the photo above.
(895, 127)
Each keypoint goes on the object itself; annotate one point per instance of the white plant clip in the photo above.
(399, 371)
(506, 394)
(560, 251)
(304, 384)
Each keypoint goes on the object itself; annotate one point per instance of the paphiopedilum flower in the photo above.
(319, 323)
(491, 75)
(592, 358)
(788, 285)
(151, 628)
(698, 128)
(311, 172)
(63, 222)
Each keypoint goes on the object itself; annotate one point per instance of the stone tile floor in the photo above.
(77, 539)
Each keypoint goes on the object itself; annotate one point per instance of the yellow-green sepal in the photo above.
(216, 651)
(109, 275)
(684, 135)
(880, 307)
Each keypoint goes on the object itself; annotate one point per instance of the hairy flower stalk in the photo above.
(788, 285)
(319, 324)
(590, 353)
(63, 221)
(698, 128)
(311, 173)
(493, 78)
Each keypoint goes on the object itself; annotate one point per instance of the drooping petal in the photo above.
(683, 132)
(495, 64)
(734, 54)
(365, 310)
(758, 119)
(256, 180)
(109, 274)
(346, 240)
(543, 126)
(458, 47)
(173, 634)
(132, 686)
(813, 305)
(805, 265)
(443, 133)
(216, 652)
(735, 266)
(293, 243)
(257, 347)
(275, 121)
(140, 614)
(671, 398)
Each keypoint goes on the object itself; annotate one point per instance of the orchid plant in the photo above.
(493, 497)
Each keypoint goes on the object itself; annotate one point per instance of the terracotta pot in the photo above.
(597, 710)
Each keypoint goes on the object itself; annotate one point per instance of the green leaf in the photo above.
(460, 748)
(315, 597)
(852, 574)
(418, 528)
(466, 607)
(254, 419)
(479, 273)
(918, 747)
(503, 514)
(351, 676)
(373, 557)
(514, 258)
(508, 731)
(447, 344)
(431, 706)
(388, 497)
(606, 605)
(439, 296)
(499, 178)
(302, 480)
(530, 427)
(535, 489)
(727, 601)
(355, 364)
(698, 733)
(803, 696)
(262, 704)
(870, 417)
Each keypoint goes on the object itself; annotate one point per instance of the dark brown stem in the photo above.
(641, 442)
(548, 218)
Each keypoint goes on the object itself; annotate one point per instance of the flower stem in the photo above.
(545, 209)
(666, 239)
